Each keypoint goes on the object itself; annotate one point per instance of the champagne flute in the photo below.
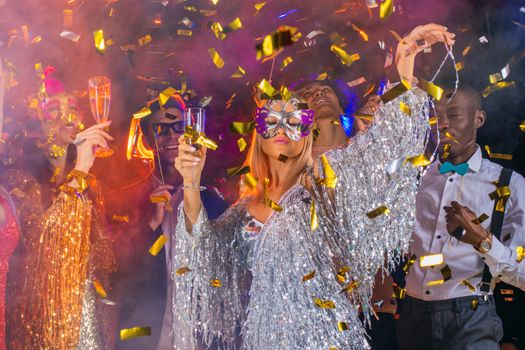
(195, 118)
(99, 99)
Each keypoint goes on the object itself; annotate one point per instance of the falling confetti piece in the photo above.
(386, 8)
(181, 271)
(124, 218)
(242, 128)
(430, 88)
(216, 283)
(324, 304)
(275, 41)
(130, 333)
(217, 60)
(267, 201)
(342, 326)
(309, 276)
(242, 144)
(498, 86)
(314, 224)
(483, 217)
(409, 263)
(286, 62)
(100, 44)
(184, 32)
(405, 108)
(419, 161)
(345, 58)
(520, 253)
(469, 285)
(239, 73)
(250, 180)
(157, 246)
(382, 210)
(497, 155)
(99, 289)
(356, 82)
(431, 260)
(394, 92)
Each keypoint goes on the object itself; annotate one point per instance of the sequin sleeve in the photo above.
(208, 272)
(363, 184)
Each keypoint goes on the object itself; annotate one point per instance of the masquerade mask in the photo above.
(61, 107)
(273, 115)
(163, 129)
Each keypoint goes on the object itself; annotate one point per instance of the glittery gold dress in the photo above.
(9, 235)
(290, 287)
(63, 248)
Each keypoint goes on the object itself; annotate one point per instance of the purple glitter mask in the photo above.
(296, 124)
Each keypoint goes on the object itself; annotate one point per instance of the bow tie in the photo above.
(446, 167)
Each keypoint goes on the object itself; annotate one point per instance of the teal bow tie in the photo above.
(446, 167)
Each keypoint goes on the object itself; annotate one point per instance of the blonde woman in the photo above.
(264, 267)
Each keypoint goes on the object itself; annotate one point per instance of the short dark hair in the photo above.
(155, 107)
(346, 97)
(473, 96)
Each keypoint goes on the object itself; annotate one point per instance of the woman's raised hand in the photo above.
(419, 39)
(190, 162)
(86, 141)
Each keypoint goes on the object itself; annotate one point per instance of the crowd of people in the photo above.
(306, 256)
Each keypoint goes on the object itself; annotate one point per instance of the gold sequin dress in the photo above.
(64, 248)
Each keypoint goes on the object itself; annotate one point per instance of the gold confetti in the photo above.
(396, 91)
(199, 138)
(417, 161)
(100, 44)
(322, 76)
(285, 93)
(242, 128)
(124, 218)
(409, 263)
(469, 285)
(314, 224)
(386, 8)
(184, 32)
(217, 60)
(520, 253)
(466, 50)
(267, 201)
(286, 62)
(397, 36)
(378, 211)
(451, 137)
(498, 86)
(309, 276)
(405, 108)
(350, 287)
(356, 82)
(497, 155)
(181, 271)
(239, 73)
(250, 180)
(345, 58)
(431, 260)
(233, 26)
(522, 126)
(435, 283)
(99, 289)
(130, 333)
(282, 158)
(144, 112)
(240, 170)
(258, 6)
(146, 39)
(341, 274)
(483, 217)
(430, 88)
(216, 283)
(242, 144)
(330, 178)
(501, 194)
(459, 66)
(474, 304)
(157, 246)
(275, 41)
(229, 103)
(67, 17)
(324, 304)
(361, 32)
(398, 292)
(446, 273)
(342, 326)
(267, 88)
(446, 151)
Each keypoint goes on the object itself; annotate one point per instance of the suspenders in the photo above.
(495, 228)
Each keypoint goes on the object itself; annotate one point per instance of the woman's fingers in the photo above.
(185, 148)
(88, 133)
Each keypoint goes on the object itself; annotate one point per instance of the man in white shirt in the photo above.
(446, 305)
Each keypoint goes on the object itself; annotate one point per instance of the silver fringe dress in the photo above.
(230, 292)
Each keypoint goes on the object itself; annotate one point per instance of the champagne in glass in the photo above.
(195, 118)
(99, 99)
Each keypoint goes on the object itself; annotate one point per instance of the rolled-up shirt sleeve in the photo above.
(503, 259)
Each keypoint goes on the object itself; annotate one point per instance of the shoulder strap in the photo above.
(495, 227)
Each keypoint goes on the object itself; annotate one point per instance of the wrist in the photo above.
(83, 168)
(153, 224)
